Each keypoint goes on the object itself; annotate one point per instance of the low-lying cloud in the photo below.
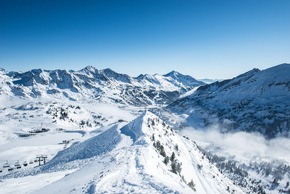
(244, 146)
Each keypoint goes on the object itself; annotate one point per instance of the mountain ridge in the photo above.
(256, 101)
(104, 84)
(138, 157)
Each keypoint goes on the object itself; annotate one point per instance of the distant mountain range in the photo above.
(103, 85)
(256, 101)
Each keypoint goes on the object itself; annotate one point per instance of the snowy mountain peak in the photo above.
(112, 75)
(89, 70)
(37, 71)
(108, 71)
(173, 74)
(249, 73)
(184, 79)
(177, 75)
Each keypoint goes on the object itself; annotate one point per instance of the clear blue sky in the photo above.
(202, 38)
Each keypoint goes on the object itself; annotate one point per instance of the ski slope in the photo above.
(126, 159)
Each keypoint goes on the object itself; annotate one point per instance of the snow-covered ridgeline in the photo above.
(102, 85)
(257, 101)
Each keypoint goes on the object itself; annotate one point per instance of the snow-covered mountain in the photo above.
(143, 156)
(187, 81)
(77, 100)
(95, 134)
(103, 85)
(256, 101)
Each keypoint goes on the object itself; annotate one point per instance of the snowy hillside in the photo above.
(257, 101)
(143, 156)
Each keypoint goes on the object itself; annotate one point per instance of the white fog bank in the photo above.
(242, 145)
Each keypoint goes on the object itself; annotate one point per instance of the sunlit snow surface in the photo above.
(123, 158)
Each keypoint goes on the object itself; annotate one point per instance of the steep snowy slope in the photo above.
(144, 156)
(256, 101)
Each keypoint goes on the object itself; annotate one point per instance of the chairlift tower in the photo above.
(38, 158)
(44, 157)
(41, 158)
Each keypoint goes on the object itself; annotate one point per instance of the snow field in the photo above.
(127, 159)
